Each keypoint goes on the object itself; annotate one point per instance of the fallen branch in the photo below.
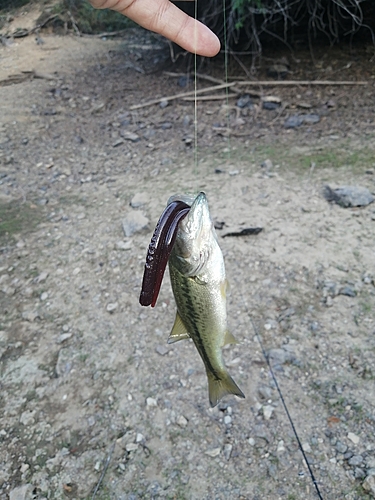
(25, 76)
(209, 97)
(233, 86)
(182, 94)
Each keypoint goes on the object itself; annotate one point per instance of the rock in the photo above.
(355, 460)
(164, 103)
(353, 438)
(112, 306)
(244, 101)
(348, 291)
(27, 417)
(131, 447)
(359, 473)
(44, 296)
(134, 222)
(267, 165)
(293, 121)
(183, 81)
(227, 451)
(64, 363)
(151, 402)
(311, 119)
(63, 337)
(227, 420)
(130, 136)
(269, 105)
(181, 421)
(213, 453)
(267, 411)
(124, 245)
(341, 447)
(368, 485)
(349, 196)
(162, 350)
(306, 448)
(139, 199)
(42, 277)
(279, 356)
(22, 493)
(278, 71)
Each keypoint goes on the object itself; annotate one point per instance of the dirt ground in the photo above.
(89, 385)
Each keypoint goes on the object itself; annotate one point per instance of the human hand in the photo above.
(165, 18)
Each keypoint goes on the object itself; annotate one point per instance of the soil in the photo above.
(95, 404)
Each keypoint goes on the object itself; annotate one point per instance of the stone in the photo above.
(151, 402)
(227, 451)
(134, 222)
(213, 453)
(112, 306)
(355, 460)
(162, 350)
(368, 485)
(349, 196)
(353, 437)
(139, 199)
(131, 447)
(182, 421)
(341, 447)
(124, 245)
(267, 411)
(293, 121)
(22, 493)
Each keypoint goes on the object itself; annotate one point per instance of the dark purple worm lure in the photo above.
(159, 251)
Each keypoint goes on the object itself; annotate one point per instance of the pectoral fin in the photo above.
(178, 331)
(229, 338)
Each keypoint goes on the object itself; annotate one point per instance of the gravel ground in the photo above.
(88, 383)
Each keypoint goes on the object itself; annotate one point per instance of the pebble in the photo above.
(134, 222)
(131, 447)
(355, 460)
(42, 277)
(213, 453)
(162, 350)
(349, 196)
(124, 245)
(139, 438)
(112, 306)
(280, 447)
(181, 421)
(44, 296)
(63, 337)
(341, 447)
(353, 438)
(22, 493)
(227, 451)
(267, 411)
(130, 136)
(369, 484)
(244, 101)
(251, 441)
(227, 420)
(139, 199)
(306, 447)
(151, 402)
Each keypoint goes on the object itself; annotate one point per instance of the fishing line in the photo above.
(285, 408)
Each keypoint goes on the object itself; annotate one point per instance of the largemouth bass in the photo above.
(196, 267)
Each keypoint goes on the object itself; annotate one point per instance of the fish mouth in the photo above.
(160, 248)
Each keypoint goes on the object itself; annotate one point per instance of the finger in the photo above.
(165, 18)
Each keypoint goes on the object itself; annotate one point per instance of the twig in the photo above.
(209, 97)
(74, 24)
(286, 83)
(23, 33)
(106, 465)
(182, 94)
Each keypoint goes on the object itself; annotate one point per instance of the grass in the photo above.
(17, 217)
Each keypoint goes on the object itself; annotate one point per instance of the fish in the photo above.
(199, 285)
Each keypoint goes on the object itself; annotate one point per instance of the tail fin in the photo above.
(218, 388)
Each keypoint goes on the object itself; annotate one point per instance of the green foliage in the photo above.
(90, 20)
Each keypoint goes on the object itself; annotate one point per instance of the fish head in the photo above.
(196, 236)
